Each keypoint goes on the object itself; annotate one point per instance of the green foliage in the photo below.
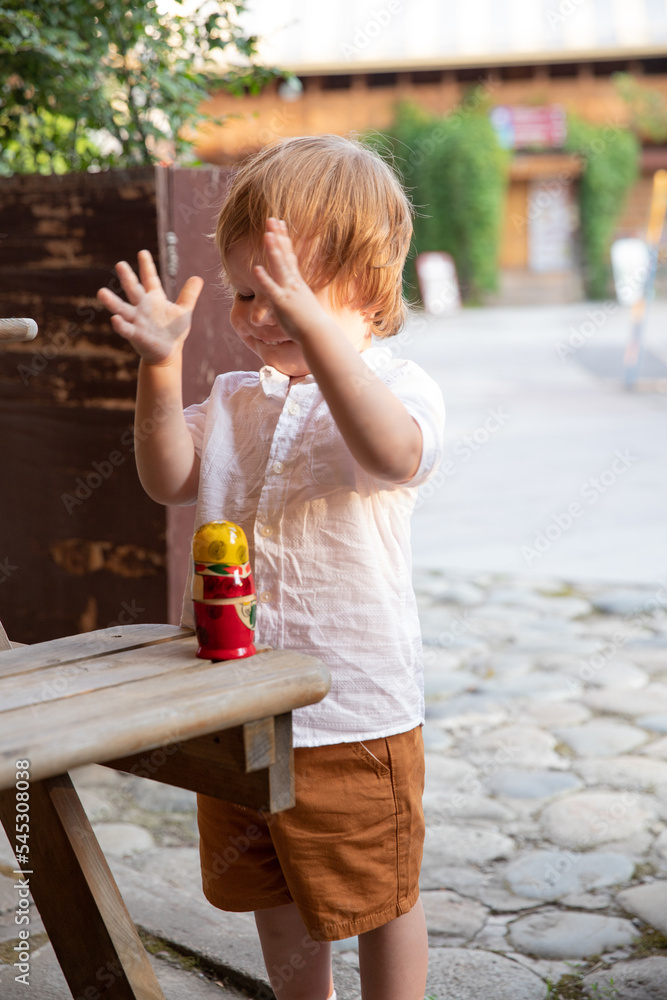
(95, 83)
(610, 157)
(456, 173)
(647, 107)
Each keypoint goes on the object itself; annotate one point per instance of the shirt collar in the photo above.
(275, 383)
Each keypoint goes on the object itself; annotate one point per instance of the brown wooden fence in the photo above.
(81, 546)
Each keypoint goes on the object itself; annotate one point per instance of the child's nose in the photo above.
(261, 313)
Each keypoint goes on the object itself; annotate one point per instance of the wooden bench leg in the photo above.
(95, 941)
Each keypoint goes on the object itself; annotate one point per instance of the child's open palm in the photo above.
(296, 306)
(155, 327)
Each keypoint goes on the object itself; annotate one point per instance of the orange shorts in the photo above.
(348, 853)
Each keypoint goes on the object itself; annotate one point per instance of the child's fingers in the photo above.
(268, 285)
(115, 304)
(150, 279)
(281, 258)
(129, 281)
(189, 293)
(122, 327)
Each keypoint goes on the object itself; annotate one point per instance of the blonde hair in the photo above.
(349, 219)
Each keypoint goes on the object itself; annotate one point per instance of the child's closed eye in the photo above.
(245, 298)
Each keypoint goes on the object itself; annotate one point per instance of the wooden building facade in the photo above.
(355, 64)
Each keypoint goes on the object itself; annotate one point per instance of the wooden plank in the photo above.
(224, 749)
(259, 743)
(24, 687)
(217, 765)
(200, 698)
(281, 773)
(84, 915)
(4, 639)
(88, 645)
(214, 765)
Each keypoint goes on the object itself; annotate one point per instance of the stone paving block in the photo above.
(117, 839)
(613, 673)
(550, 715)
(229, 940)
(649, 902)
(177, 867)
(466, 710)
(8, 897)
(629, 602)
(531, 784)
(656, 748)
(473, 974)
(435, 874)
(443, 684)
(502, 664)
(449, 915)
(552, 933)
(644, 979)
(466, 844)
(660, 845)
(585, 819)
(48, 983)
(551, 875)
(461, 806)
(514, 746)
(435, 739)
(447, 773)
(540, 684)
(97, 805)
(625, 771)
(443, 660)
(601, 738)
(652, 698)
(155, 796)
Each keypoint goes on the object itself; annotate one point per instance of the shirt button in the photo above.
(267, 530)
(265, 596)
(293, 408)
(278, 467)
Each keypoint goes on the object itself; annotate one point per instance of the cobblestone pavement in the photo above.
(546, 806)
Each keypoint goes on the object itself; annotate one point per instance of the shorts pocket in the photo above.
(370, 751)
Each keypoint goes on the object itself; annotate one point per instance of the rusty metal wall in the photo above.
(189, 201)
(81, 545)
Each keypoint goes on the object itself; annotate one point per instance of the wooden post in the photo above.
(88, 924)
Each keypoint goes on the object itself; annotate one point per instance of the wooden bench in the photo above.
(137, 699)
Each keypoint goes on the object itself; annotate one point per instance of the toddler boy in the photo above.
(318, 456)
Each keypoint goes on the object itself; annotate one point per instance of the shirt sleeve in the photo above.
(195, 418)
(423, 400)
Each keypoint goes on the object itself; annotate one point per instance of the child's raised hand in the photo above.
(155, 327)
(294, 303)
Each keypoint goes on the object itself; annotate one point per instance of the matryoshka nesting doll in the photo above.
(223, 592)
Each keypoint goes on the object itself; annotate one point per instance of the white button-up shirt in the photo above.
(329, 543)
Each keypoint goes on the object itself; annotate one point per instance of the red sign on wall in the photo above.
(520, 127)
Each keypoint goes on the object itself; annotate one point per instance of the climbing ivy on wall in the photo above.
(456, 174)
(610, 156)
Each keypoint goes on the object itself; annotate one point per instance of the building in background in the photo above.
(534, 60)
